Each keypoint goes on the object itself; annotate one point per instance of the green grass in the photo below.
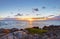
(36, 31)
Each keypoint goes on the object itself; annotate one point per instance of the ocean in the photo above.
(21, 24)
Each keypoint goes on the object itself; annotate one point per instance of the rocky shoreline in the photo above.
(53, 32)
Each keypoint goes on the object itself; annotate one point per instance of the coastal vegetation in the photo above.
(36, 31)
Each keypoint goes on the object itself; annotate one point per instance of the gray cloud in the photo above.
(18, 14)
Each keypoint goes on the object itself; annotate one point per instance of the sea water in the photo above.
(25, 24)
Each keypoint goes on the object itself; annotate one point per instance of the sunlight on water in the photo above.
(30, 22)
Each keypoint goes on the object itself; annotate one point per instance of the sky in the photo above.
(24, 8)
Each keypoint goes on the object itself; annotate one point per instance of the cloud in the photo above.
(37, 14)
(50, 15)
(19, 14)
(36, 9)
(43, 7)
